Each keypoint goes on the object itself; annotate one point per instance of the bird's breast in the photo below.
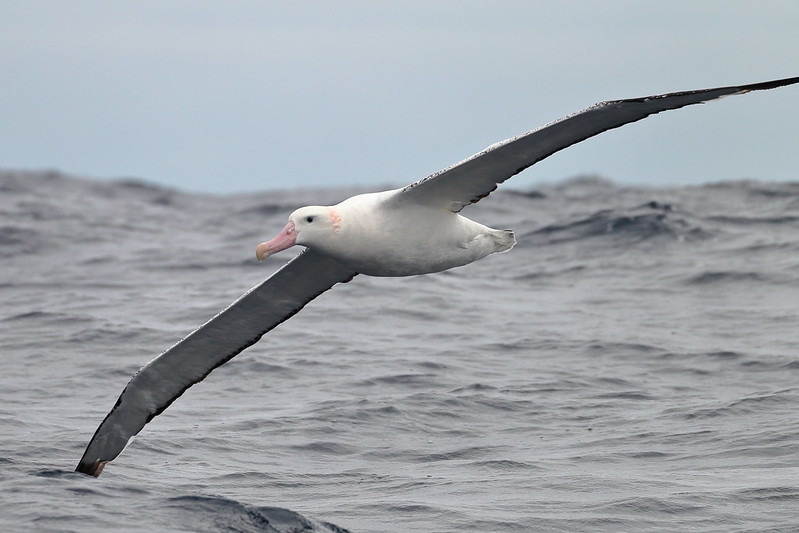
(408, 242)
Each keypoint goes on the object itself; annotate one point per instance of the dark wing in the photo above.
(161, 381)
(476, 177)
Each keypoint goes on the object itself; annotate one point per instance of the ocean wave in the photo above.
(630, 365)
(213, 514)
(640, 223)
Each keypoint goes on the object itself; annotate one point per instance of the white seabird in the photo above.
(402, 232)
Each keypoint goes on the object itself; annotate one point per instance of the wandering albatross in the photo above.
(403, 232)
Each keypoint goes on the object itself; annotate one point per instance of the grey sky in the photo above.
(242, 95)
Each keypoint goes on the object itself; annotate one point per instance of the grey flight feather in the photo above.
(474, 178)
(165, 378)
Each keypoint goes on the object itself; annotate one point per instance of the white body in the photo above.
(380, 235)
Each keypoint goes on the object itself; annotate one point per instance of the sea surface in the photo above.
(631, 365)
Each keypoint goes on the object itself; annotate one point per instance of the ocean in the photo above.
(631, 365)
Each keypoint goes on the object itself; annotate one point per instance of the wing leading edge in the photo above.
(161, 381)
(474, 178)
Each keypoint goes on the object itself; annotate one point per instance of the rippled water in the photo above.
(632, 365)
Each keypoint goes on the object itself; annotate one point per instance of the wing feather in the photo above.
(476, 177)
(161, 381)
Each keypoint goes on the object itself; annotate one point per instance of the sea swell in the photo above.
(630, 365)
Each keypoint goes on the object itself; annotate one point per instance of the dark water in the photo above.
(632, 365)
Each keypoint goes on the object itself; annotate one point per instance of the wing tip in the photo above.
(765, 85)
(91, 469)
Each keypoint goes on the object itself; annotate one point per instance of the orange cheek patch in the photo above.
(335, 219)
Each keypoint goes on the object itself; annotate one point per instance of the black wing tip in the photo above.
(91, 469)
(730, 89)
(773, 84)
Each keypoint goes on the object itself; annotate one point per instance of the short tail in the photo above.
(504, 239)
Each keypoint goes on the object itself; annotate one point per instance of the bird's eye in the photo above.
(309, 219)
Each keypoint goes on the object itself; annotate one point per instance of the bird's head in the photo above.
(307, 226)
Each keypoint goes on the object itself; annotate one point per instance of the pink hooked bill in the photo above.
(285, 239)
